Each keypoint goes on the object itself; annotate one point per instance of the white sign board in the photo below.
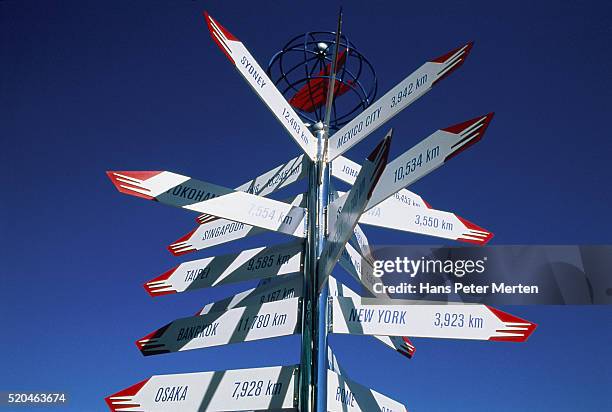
(165, 187)
(242, 324)
(271, 181)
(212, 233)
(344, 395)
(258, 211)
(284, 287)
(480, 322)
(395, 100)
(187, 193)
(346, 170)
(428, 155)
(271, 388)
(256, 77)
(217, 231)
(251, 264)
(394, 214)
(401, 344)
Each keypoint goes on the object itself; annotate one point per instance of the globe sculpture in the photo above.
(301, 71)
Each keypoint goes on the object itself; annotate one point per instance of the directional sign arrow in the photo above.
(271, 181)
(212, 233)
(396, 99)
(379, 317)
(182, 191)
(394, 214)
(218, 231)
(271, 388)
(400, 344)
(428, 155)
(242, 324)
(246, 65)
(166, 187)
(258, 211)
(346, 170)
(344, 212)
(345, 395)
(249, 264)
(285, 287)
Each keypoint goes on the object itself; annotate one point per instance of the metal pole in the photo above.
(313, 378)
(321, 324)
(322, 133)
(313, 370)
(306, 398)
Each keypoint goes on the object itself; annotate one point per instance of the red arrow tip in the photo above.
(132, 182)
(182, 246)
(476, 234)
(409, 346)
(154, 286)
(117, 401)
(515, 329)
(220, 35)
(471, 132)
(452, 60)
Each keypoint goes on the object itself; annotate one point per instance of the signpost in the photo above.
(346, 170)
(462, 321)
(273, 180)
(216, 231)
(286, 287)
(242, 324)
(272, 388)
(428, 155)
(396, 99)
(256, 77)
(258, 263)
(212, 233)
(258, 211)
(407, 211)
(297, 293)
(345, 395)
(400, 344)
(394, 214)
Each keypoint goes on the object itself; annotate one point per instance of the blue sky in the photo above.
(86, 88)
